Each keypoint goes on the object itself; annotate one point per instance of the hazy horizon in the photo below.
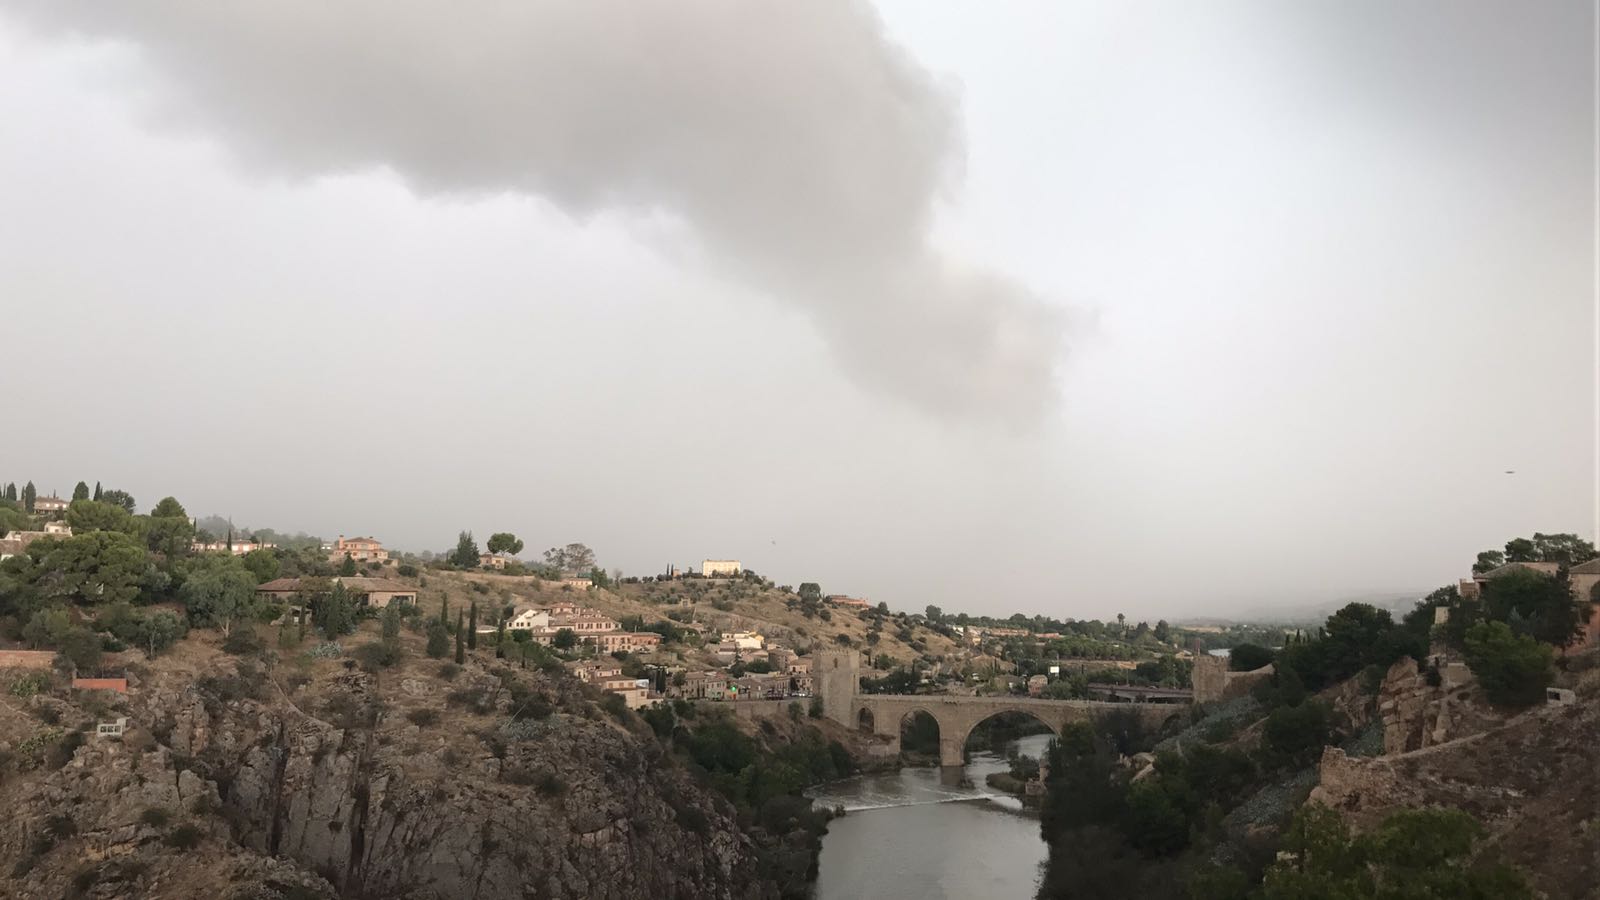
(1163, 310)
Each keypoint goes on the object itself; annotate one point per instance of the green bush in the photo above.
(1249, 657)
(184, 837)
(30, 684)
(378, 655)
(155, 817)
(1413, 853)
(423, 717)
(1514, 669)
(1295, 735)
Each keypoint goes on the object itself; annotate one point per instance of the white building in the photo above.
(744, 640)
(724, 567)
(529, 619)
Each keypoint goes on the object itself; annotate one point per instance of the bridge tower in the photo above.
(838, 680)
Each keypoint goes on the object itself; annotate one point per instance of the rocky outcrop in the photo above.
(1423, 708)
(345, 793)
(1532, 782)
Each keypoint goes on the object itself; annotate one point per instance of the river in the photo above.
(908, 835)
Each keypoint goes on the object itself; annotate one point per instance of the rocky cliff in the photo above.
(1533, 780)
(415, 782)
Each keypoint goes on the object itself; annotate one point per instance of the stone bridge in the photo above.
(884, 714)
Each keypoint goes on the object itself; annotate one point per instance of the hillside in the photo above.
(714, 605)
(279, 774)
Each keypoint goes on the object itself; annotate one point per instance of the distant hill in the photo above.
(1398, 603)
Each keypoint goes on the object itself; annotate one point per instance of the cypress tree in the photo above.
(500, 641)
(28, 496)
(461, 648)
(472, 627)
(11, 491)
(438, 641)
(81, 492)
(97, 492)
(444, 612)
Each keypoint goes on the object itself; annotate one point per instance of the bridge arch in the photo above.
(920, 730)
(866, 722)
(1051, 723)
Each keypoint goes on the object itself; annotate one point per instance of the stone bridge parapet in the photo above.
(838, 676)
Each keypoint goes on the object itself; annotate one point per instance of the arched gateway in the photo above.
(956, 716)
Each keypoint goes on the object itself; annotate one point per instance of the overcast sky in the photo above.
(1068, 308)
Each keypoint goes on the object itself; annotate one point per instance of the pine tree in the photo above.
(461, 648)
(472, 627)
(97, 492)
(81, 492)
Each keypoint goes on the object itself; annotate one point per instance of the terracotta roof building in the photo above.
(375, 592)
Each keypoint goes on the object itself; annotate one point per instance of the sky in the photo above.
(1078, 308)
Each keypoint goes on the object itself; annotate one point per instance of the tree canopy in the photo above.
(169, 507)
(571, 558)
(1536, 604)
(504, 542)
(219, 591)
(1566, 549)
(465, 554)
(1514, 669)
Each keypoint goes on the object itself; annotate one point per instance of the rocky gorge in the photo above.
(243, 778)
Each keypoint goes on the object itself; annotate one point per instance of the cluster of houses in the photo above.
(15, 542)
(543, 623)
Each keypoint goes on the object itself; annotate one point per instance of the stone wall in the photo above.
(26, 659)
(1213, 683)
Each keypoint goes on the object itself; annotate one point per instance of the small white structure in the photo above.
(1559, 697)
(744, 640)
(528, 620)
(111, 729)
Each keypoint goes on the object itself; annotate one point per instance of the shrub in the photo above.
(243, 641)
(1295, 735)
(155, 817)
(1514, 669)
(406, 570)
(62, 751)
(423, 718)
(184, 837)
(60, 826)
(476, 699)
(816, 708)
(1412, 853)
(30, 684)
(377, 655)
(326, 650)
(438, 640)
(1249, 657)
(551, 785)
(448, 671)
(615, 705)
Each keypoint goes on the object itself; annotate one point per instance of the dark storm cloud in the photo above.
(803, 150)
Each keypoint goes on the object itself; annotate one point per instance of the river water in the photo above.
(908, 835)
